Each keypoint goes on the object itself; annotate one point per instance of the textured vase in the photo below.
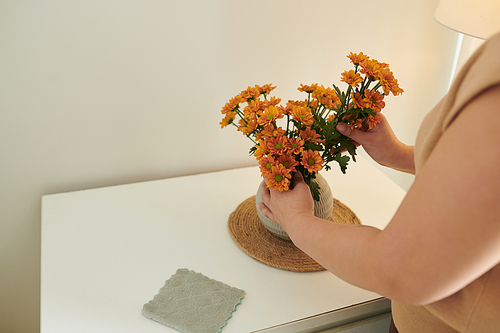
(322, 208)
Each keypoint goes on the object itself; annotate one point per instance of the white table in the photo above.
(107, 251)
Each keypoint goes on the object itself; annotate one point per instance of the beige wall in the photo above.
(102, 92)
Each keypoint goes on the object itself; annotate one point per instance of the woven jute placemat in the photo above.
(253, 238)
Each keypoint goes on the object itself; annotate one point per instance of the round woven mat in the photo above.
(252, 237)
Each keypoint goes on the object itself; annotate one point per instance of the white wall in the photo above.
(102, 92)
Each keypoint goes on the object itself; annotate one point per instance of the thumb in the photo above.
(298, 178)
(354, 134)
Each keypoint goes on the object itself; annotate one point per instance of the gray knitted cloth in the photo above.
(190, 302)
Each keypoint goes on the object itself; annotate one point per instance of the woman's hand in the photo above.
(289, 206)
(382, 145)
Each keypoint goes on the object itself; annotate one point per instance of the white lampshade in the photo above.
(476, 18)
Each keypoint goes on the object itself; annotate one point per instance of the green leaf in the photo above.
(369, 111)
(351, 148)
(314, 187)
(330, 128)
(315, 146)
(335, 135)
(331, 135)
(343, 161)
(340, 94)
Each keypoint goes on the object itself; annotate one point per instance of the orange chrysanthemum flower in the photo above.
(254, 108)
(288, 161)
(303, 115)
(287, 110)
(295, 145)
(395, 89)
(260, 150)
(265, 164)
(312, 161)
(389, 82)
(373, 120)
(291, 104)
(383, 65)
(277, 146)
(270, 115)
(231, 105)
(351, 78)
(279, 178)
(310, 135)
(269, 131)
(357, 58)
(265, 89)
(386, 77)
(374, 100)
(358, 101)
(371, 68)
(313, 104)
(228, 119)
(249, 94)
(247, 126)
(307, 89)
(273, 101)
(326, 96)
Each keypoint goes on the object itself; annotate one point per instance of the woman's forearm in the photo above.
(403, 160)
(348, 251)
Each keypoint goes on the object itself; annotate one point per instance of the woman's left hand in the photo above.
(287, 206)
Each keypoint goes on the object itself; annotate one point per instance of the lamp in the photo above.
(476, 18)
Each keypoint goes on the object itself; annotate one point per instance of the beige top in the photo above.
(476, 308)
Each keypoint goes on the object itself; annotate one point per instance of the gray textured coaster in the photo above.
(190, 302)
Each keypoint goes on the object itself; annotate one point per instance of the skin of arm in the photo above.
(445, 234)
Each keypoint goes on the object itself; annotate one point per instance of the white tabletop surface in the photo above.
(107, 251)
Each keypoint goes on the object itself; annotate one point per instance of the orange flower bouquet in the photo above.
(301, 136)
